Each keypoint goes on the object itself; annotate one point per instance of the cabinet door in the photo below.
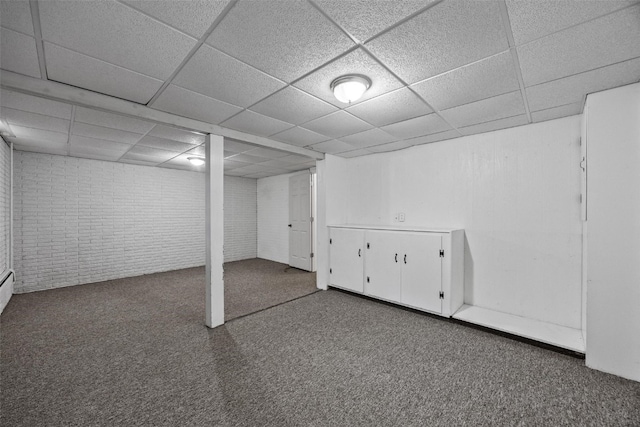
(383, 264)
(422, 271)
(346, 256)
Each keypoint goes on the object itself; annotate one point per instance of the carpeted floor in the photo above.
(140, 355)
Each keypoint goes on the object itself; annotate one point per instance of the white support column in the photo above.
(215, 231)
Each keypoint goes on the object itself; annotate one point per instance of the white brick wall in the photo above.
(81, 221)
(5, 213)
(240, 218)
(273, 218)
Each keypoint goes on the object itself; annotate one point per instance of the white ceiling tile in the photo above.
(427, 139)
(109, 134)
(337, 125)
(109, 120)
(183, 161)
(18, 53)
(299, 137)
(197, 151)
(231, 164)
(148, 154)
(393, 107)
(39, 140)
(247, 158)
(217, 75)
(333, 147)
(534, 19)
(175, 134)
(356, 62)
(164, 144)
(39, 146)
(394, 146)
(138, 162)
(35, 121)
(573, 89)
(267, 152)
(446, 36)
(69, 67)
(424, 125)
(355, 153)
(259, 175)
(489, 77)
(295, 159)
(192, 17)
(557, 112)
(508, 122)
(137, 42)
(16, 15)
(256, 124)
(486, 110)
(368, 138)
(365, 18)
(193, 105)
(285, 39)
(237, 146)
(253, 168)
(83, 143)
(603, 41)
(34, 104)
(94, 153)
(293, 106)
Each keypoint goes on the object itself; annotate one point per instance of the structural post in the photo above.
(214, 230)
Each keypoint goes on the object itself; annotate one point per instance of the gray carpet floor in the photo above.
(140, 355)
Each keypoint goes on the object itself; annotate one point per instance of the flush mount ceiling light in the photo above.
(196, 161)
(350, 88)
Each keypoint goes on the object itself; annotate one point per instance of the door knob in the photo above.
(289, 225)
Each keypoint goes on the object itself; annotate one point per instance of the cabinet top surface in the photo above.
(396, 228)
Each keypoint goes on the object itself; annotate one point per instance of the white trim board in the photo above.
(548, 333)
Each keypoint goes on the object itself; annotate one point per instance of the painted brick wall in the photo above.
(273, 217)
(81, 221)
(5, 196)
(240, 218)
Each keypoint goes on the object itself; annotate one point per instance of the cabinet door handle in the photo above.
(396, 257)
(405, 258)
(359, 251)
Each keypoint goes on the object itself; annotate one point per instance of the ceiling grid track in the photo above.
(193, 51)
(133, 145)
(37, 32)
(506, 23)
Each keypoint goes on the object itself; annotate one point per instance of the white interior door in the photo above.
(300, 221)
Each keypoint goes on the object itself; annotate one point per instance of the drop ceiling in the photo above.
(439, 70)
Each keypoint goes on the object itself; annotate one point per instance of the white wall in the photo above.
(273, 218)
(613, 234)
(514, 191)
(240, 218)
(81, 221)
(5, 222)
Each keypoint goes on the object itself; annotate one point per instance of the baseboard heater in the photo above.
(6, 277)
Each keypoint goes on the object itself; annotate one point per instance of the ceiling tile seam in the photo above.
(330, 19)
(71, 123)
(583, 72)
(100, 60)
(435, 111)
(133, 145)
(506, 24)
(491, 121)
(155, 18)
(37, 32)
(404, 20)
(562, 105)
(580, 23)
(193, 50)
(16, 31)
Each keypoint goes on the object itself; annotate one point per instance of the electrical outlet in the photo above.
(401, 217)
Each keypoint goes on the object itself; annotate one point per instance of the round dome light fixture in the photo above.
(196, 161)
(350, 88)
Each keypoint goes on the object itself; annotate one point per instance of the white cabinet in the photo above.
(346, 258)
(422, 269)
